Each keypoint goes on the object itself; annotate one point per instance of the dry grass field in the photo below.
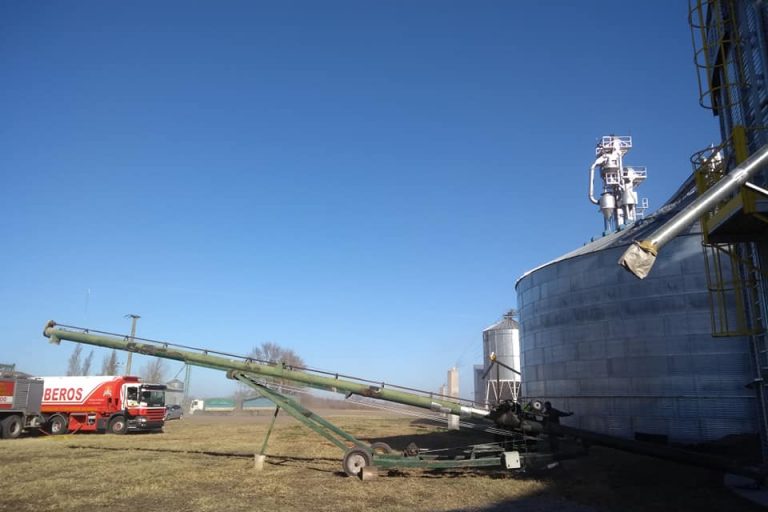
(206, 464)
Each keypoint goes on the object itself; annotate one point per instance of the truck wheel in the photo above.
(57, 425)
(11, 427)
(118, 425)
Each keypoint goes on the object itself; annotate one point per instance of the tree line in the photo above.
(152, 371)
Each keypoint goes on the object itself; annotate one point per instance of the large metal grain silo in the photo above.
(629, 357)
(502, 339)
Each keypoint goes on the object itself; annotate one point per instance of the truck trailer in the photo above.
(19, 405)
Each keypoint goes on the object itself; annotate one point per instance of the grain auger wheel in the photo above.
(380, 448)
(357, 462)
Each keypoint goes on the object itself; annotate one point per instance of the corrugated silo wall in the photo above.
(505, 344)
(630, 356)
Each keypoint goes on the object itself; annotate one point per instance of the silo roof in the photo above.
(504, 323)
(637, 231)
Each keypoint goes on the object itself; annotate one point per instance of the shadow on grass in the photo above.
(434, 440)
(533, 503)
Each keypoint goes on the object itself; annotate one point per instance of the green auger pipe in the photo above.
(56, 334)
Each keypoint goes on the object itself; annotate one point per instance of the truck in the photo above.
(20, 400)
(212, 405)
(114, 404)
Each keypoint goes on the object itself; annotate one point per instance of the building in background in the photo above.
(478, 372)
(174, 392)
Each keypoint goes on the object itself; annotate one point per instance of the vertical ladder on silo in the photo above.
(732, 285)
(737, 289)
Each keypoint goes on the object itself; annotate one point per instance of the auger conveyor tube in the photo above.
(641, 255)
(278, 371)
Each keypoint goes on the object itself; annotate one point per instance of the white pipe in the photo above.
(598, 161)
(471, 412)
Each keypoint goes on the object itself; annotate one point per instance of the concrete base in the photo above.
(258, 462)
(453, 422)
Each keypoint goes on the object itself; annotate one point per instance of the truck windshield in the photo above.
(152, 398)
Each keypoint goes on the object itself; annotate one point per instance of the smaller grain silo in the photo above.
(502, 339)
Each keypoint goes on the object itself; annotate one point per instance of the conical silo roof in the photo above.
(504, 324)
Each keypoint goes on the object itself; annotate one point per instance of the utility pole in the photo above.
(133, 335)
(187, 379)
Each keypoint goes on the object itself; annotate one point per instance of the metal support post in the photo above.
(269, 431)
(308, 418)
(261, 457)
(133, 337)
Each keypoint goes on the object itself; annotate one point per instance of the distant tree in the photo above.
(273, 353)
(85, 369)
(109, 364)
(74, 364)
(154, 370)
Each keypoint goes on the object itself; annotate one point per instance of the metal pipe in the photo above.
(55, 334)
(597, 162)
(641, 255)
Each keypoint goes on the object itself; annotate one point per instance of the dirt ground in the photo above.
(206, 464)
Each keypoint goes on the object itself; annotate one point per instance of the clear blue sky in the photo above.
(360, 181)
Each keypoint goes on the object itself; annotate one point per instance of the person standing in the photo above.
(552, 416)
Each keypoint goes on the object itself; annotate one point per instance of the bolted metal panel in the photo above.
(619, 426)
(690, 429)
(632, 356)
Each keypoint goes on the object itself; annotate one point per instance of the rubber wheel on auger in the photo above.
(118, 425)
(379, 448)
(11, 427)
(57, 425)
(355, 460)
